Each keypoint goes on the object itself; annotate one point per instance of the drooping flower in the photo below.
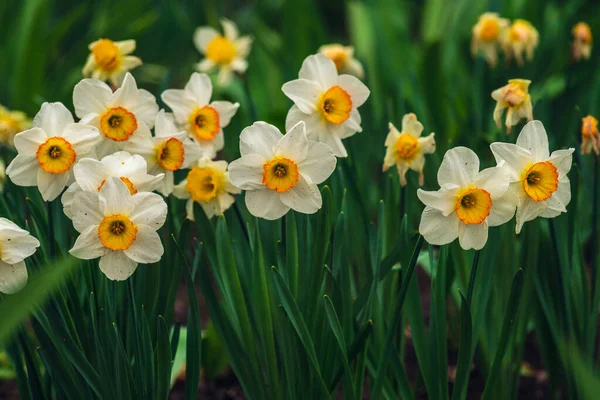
(343, 58)
(202, 119)
(207, 184)
(227, 52)
(582, 41)
(407, 149)
(91, 175)
(468, 202)
(590, 137)
(48, 151)
(486, 34)
(169, 150)
(327, 102)
(110, 61)
(119, 227)
(280, 172)
(16, 245)
(11, 123)
(521, 37)
(538, 179)
(516, 98)
(117, 115)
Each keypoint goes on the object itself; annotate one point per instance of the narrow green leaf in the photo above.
(163, 360)
(463, 367)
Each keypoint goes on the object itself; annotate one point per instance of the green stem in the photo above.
(50, 229)
(472, 277)
(594, 240)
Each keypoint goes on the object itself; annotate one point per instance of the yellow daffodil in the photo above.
(343, 58)
(486, 35)
(110, 61)
(582, 41)
(590, 137)
(16, 245)
(407, 149)
(521, 37)
(516, 98)
(11, 123)
(227, 51)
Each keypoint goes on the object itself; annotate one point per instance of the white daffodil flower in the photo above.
(117, 115)
(48, 151)
(280, 172)
(327, 102)
(119, 227)
(110, 61)
(91, 175)
(208, 184)
(407, 149)
(202, 119)
(227, 52)
(538, 179)
(169, 150)
(468, 202)
(343, 57)
(16, 245)
(515, 98)
(486, 34)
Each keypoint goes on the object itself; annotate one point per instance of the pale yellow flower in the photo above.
(110, 61)
(516, 98)
(11, 123)
(590, 137)
(521, 37)
(486, 34)
(343, 58)
(582, 41)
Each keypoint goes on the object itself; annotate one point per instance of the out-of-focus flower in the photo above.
(538, 179)
(327, 102)
(227, 52)
(48, 151)
(16, 245)
(208, 184)
(468, 202)
(590, 137)
(407, 149)
(119, 227)
(280, 172)
(516, 98)
(169, 150)
(343, 58)
(2, 175)
(117, 115)
(110, 61)
(91, 175)
(486, 35)
(582, 41)
(203, 121)
(521, 37)
(11, 123)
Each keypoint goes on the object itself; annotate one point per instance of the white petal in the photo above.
(51, 185)
(304, 93)
(124, 164)
(259, 138)
(17, 247)
(305, 197)
(199, 88)
(225, 75)
(321, 69)
(443, 200)
(148, 209)
(527, 211)
(229, 29)
(180, 191)
(83, 138)
(247, 172)
(164, 125)
(86, 210)
(115, 197)
(239, 65)
(126, 46)
(165, 185)
(53, 118)
(88, 245)
(503, 208)
(147, 247)
(192, 152)
(181, 105)
(352, 124)
(411, 125)
(265, 203)
(473, 236)
(459, 166)
(23, 170)
(117, 266)
(312, 121)
(561, 198)
(494, 180)
(533, 137)
(562, 160)
(145, 109)
(67, 199)
(226, 111)
(357, 90)
(205, 65)
(127, 95)
(333, 141)
(90, 96)
(28, 142)
(517, 158)
(90, 173)
(427, 144)
(203, 36)
(319, 163)
(294, 144)
(13, 277)
(436, 228)
(242, 45)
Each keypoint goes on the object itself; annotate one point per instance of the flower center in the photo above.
(338, 56)
(519, 31)
(117, 232)
(406, 147)
(107, 54)
(220, 50)
(335, 105)
(118, 124)
(126, 181)
(204, 183)
(170, 154)
(204, 123)
(56, 155)
(489, 30)
(515, 95)
(540, 181)
(280, 174)
(473, 205)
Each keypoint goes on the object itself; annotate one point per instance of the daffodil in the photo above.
(486, 34)
(117, 115)
(343, 58)
(590, 137)
(119, 227)
(91, 175)
(16, 245)
(407, 149)
(582, 41)
(11, 123)
(467, 203)
(203, 120)
(280, 172)
(521, 37)
(516, 98)
(327, 102)
(538, 179)
(207, 184)
(110, 61)
(48, 151)
(227, 51)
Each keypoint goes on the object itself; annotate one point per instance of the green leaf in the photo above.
(163, 360)
(463, 366)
